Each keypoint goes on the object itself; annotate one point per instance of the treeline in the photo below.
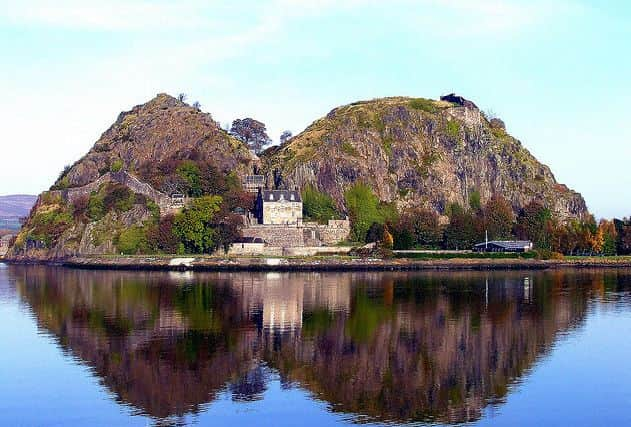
(372, 220)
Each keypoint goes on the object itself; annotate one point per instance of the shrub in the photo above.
(453, 129)
(318, 206)
(118, 197)
(117, 165)
(96, 207)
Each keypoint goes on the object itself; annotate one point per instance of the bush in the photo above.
(546, 254)
(96, 207)
(117, 165)
(453, 129)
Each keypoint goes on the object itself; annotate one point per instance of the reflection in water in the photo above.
(378, 346)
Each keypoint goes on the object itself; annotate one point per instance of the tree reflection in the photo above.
(382, 346)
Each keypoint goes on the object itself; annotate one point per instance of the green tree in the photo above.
(194, 225)
(132, 241)
(533, 223)
(189, 172)
(318, 206)
(363, 209)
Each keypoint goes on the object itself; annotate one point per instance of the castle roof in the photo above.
(280, 196)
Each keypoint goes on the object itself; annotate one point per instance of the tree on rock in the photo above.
(252, 132)
(285, 136)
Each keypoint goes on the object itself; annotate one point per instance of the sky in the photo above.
(558, 73)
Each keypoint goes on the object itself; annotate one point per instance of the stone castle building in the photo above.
(279, 207)
(278, 222)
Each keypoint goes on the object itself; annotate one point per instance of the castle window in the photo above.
(271, 196)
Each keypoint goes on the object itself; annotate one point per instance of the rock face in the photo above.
(417, 152)
(153, 132)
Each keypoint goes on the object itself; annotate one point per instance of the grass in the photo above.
(423, 104)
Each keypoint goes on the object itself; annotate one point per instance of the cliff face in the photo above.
(418, 152)
(153, 132)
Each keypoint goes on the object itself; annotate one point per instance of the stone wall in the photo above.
(277, 235)
(124, 178)
(307, 234)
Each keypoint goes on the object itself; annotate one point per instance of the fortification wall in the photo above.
(277, 235)
(309, 234)
(124, 178)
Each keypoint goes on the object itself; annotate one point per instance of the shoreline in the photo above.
(201, 263)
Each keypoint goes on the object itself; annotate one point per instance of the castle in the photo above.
(277, 222)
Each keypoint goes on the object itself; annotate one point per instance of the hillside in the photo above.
(415, 151)
(409, 152)
(122, 186)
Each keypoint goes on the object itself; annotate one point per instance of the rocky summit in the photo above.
(416, 151)
(412, 152)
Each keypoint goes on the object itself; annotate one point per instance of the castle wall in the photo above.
(284, 212)
(306, 235)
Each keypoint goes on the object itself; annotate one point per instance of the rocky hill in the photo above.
(415, 151)
(410, 151)
(124, 180)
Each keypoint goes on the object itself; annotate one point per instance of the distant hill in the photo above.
(16, 206)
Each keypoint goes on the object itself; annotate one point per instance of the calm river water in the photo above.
(443, 348)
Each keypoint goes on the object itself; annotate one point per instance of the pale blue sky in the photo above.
(558, 73)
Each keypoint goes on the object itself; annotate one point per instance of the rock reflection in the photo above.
(380, 346)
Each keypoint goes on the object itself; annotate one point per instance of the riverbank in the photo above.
(337, 263)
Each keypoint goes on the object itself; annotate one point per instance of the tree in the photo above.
(182, 97)
(417, 227)
(194, 225)
(533, 223)
(498, 218)
(463, 231)
(196, 105)
(251, 132)
(317, 205)
(363, 209)
(285, 136)
(161, 237)
(607, 231)
(623, 236)
(387, 240)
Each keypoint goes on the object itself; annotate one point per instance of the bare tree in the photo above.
(285, 136)
(182, 97)
(251, 132)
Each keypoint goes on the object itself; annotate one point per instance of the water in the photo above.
(131, 348)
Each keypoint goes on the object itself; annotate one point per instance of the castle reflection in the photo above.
(379, 346)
